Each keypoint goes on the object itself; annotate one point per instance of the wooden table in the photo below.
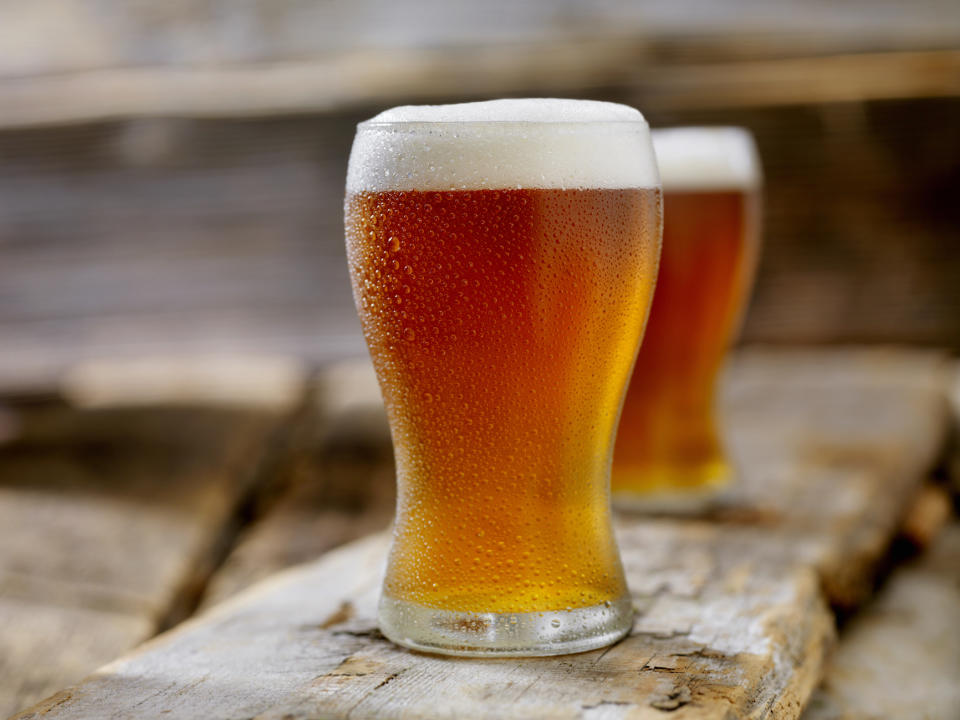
(733, 610)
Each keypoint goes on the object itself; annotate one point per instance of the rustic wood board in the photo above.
(833, 446)
(337, 486)
(333, 499)
(304, 644)
(390, 77)
(117, 34)
(109, 522)
(719, 632)
(123, 59)
(191, 237)
(900, 658)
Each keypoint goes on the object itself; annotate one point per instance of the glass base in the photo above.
(479, 634)
(682, 502)
(671, 490)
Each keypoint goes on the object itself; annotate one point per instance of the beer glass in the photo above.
(668, 455)
(503, 256)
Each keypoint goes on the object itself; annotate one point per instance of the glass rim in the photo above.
(386, 124)
(701, 128)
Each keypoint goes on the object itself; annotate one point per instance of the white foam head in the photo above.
(707, 158)
(500, 144)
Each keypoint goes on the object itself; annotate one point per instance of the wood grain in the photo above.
(900, 657)
(833, 448)
(166, 236)
(731, 614)
(859, 426)
(114, 33)
(714, 636)
(126, 59)
(337, 485)
(110, 520)
(390, 77)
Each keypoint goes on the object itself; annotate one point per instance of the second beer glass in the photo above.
(503, 258)
(669, 455)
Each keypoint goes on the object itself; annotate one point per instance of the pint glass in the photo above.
(503, 257)
(669, 456)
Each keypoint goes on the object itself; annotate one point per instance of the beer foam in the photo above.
(500, 144)
(707, 158)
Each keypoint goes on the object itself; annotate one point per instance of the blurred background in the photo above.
(171, 188)
(171, 173)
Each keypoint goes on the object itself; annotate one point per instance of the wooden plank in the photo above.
(45, 647)
(113, 33)
(718, 633)
(833, 448)
(257, 59)
(858, 77)
(171, 236)
(859, 426)
(729, 621)
(110, 520)
(392, 77)
(900, 657)
(337, 486)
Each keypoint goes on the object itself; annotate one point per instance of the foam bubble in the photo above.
(707, 158)
(500, 144)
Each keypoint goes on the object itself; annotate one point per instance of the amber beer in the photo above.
(503, 258)
(669, 454)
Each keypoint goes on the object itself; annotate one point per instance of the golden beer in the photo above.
(502, 322)
(669, 455)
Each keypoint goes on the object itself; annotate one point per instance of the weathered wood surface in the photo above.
(719, 632)
(126, 59)
(339, 496)
(391, 77)
(113, 33)
(111, 521)
(192, 238)
(833, 447)
(337, 486)
(900, 657)
(730, 621)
